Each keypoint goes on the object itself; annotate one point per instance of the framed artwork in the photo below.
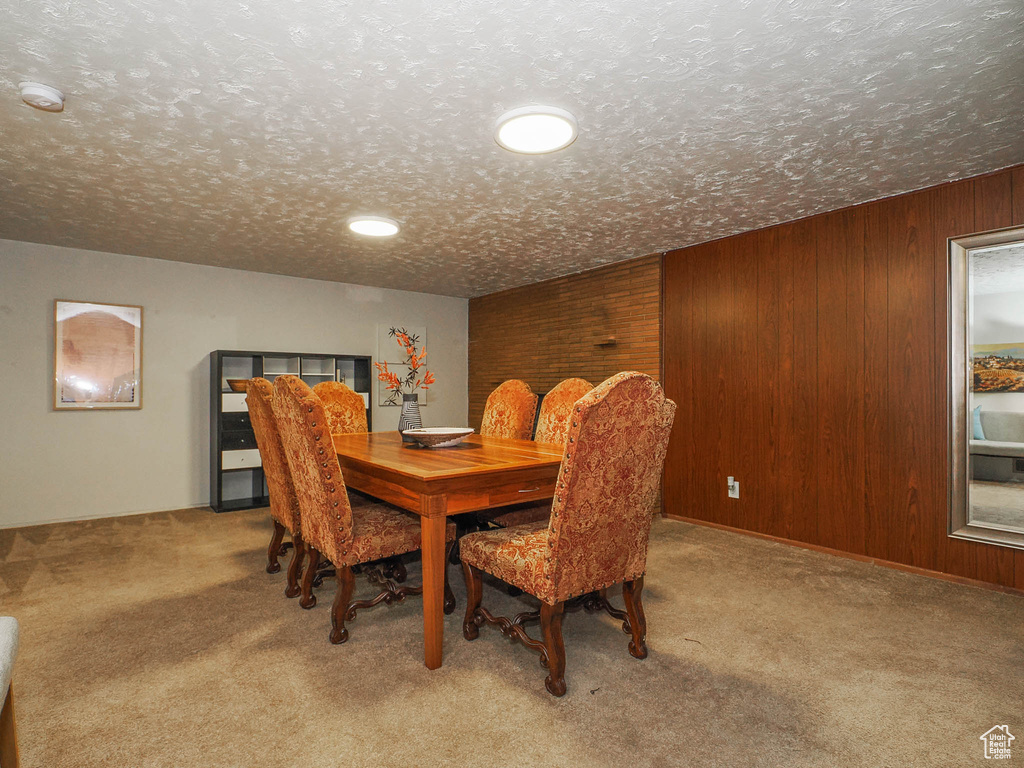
(97, 356)
(998, 367)
(390, 351)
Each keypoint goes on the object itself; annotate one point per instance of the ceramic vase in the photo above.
(410, 418)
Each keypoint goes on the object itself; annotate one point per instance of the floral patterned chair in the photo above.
(552, 427)
(346, 413)
(332, 528)
(599, 526)
(345, 408)
(556, 410)
(509, 411)
(284, 506)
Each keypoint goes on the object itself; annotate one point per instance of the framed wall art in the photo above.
(998, 367)
(97, 356)
(406, 367)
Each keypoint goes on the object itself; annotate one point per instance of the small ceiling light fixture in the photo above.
(42, 97)
(536, 130)
(373, 226)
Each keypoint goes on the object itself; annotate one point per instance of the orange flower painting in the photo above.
(414, 373)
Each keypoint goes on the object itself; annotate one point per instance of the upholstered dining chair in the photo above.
(556, 410)
(509, 411)
(552, 427)
(598, 530)
(8, 652)
(332, 528)
(345, 408)
(284, 506)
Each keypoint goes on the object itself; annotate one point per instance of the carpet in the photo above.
(998, 504)
(158, 640)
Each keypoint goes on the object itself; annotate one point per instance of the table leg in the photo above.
(432, 542)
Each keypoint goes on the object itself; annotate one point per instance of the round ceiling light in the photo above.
(373, 226)
(42, 96)
(536, 130)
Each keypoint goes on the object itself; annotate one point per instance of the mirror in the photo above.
(987, 387)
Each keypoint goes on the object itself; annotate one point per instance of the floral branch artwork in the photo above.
(417, 377)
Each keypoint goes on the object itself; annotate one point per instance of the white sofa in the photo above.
(1004, 434)
(8, 651)
(997, 457)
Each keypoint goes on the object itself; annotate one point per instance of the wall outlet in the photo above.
(734, 487)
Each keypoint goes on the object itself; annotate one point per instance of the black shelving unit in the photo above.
(236, 475)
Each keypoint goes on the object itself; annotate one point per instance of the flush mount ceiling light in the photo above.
(373, 226)
(42, 97)
(535, 130)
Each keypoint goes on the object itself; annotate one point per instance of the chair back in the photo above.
(509, 411)
(345, 408)
(556, 409)
(608, 484)
(316, 473)
(283, 506)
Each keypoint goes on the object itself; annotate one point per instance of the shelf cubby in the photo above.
(236, 473)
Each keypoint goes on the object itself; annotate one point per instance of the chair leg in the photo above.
(308, 599)
(8, 734)
(551, 625)
(275, 548)
(392, 567)
(295, 566)
(474, 593)
(631, 596)
(342, 598)
(449, 596)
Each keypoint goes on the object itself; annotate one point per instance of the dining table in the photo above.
(478, 473)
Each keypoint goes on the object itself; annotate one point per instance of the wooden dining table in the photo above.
(479, 473)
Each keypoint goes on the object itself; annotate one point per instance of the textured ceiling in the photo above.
(998, 270)
(242, 134)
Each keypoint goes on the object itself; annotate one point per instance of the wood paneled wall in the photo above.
(809, 361)
(557, 329)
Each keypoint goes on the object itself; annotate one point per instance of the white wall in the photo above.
(67, 465)
(999, 319)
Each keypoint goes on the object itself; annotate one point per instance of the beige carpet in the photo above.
(998, 504)
(158, 640)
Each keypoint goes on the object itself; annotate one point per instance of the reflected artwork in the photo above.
(998, 367)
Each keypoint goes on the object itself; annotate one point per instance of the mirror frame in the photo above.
(960, 378)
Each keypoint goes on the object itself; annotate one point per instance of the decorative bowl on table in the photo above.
(238, 385)
(439, 437)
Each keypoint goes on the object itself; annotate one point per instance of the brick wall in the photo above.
(592, 325)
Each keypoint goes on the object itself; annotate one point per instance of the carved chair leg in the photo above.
(474, 593)
(393, 568)
(275, 548)
(295, 566)
(308, 599)
(346, 582)
(449, 596)
(631, 596)
(551, 625)
(324, 570)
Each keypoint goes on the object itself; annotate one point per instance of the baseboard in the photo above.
(97, 516)
(853, 556)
